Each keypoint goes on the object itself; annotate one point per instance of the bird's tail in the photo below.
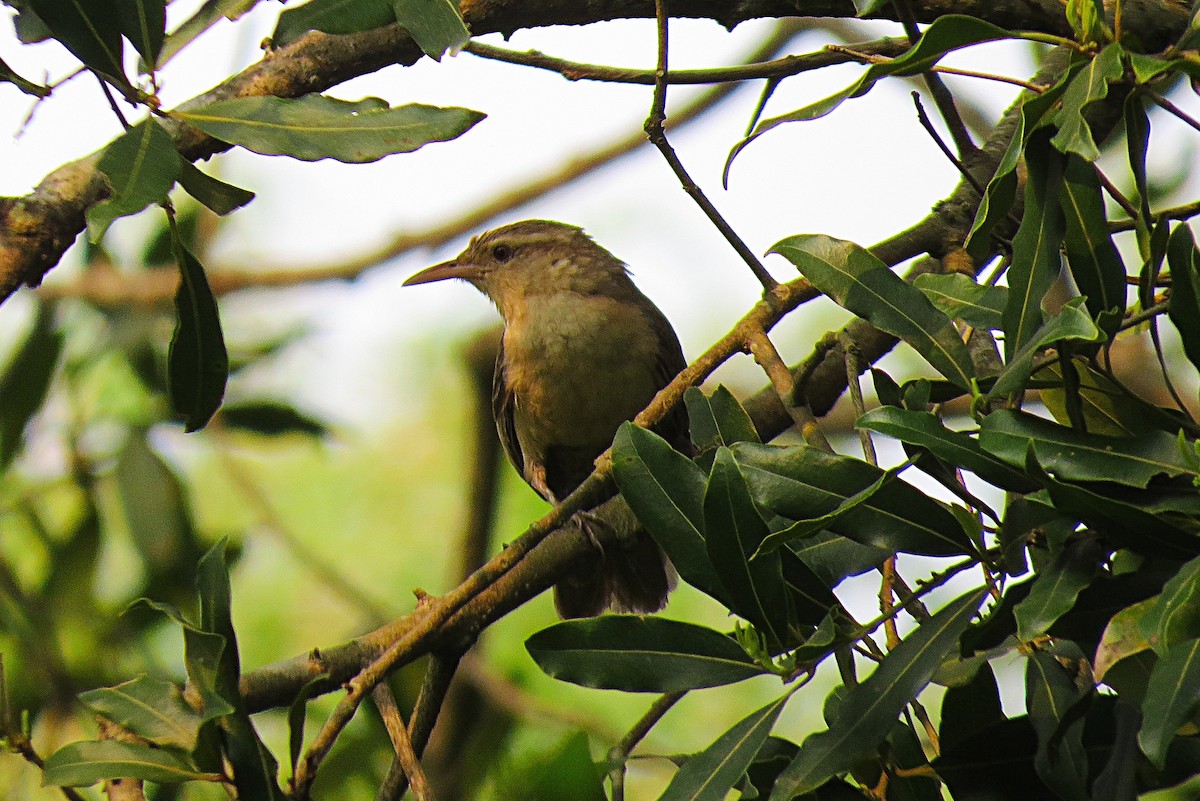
(634, 578)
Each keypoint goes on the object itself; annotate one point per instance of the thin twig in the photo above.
(1170, 107)
(657, 135)
(618, 755)
(777, 68)
(438, 676)
(942, 97)
(927, 124)
(393, 721)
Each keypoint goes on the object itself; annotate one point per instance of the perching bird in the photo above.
(583, 351)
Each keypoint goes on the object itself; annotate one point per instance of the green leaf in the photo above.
(154, 504)
(197, 362)
(1071, 323)
(271, 419)
(1001, 190)
(961, 298)
(1050, 696)
(217, 195)
(150, 708)
(1036, 260)
(970, 708)
(316, 127)
(566, 772)
(1057, 586)
(868, 709)
(1095, 263)
(710, 774)
(717, 419)
(947, 33)
(1137, 142)
(1122, 637)
(925, 430)
(811, 596)
(1107, 409)
(87, 762)
(639, 654)
(665, 489)
(26, 381)
(90, 31)
(1175, 617)
(332, 16)
(1075, 456)
(8, 75)
(833, 557)
(1171, 697)
(733, 531)
(1089, 86)
(1184, 306)
(435, 25)
(800, 483)
(861, 283)
(142, 166)
(296, 716)
(144, 24)
(1086, 18)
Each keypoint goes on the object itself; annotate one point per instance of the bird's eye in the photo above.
(502, 252)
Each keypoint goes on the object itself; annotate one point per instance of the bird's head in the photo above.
(517, 262)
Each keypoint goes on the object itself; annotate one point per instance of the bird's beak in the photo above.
(447, 269)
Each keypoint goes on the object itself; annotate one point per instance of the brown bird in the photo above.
(583, 351)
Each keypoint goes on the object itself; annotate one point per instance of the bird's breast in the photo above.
(578, 367)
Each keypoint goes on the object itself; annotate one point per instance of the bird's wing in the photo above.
(503, 410)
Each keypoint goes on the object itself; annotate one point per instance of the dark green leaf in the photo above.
(197, 362)
(316, 127)
(775, 755)
(1107, 409)
(665, 489)
(928, 431)
(960, 297)
(970, 708)
(150, 708)
(332, 16)
(639, 654)
(710, 774)
(1036, 260)
(1184, 307)
(1075, 456)
(26, 380)
(869, 708)
(87, 762)
(1137, 142)
(1089, 86)
(1051, 695)
(1171, 698)
(833, 557)
(90, 31)
(271, 419)
(28, 25)
(144, 24)
(994, 763)
(733, 531)
(802, 483)
(1001, 190)
(217, 195)
(1176, 615)
(1057, 586)
(858, 281)
(811, 596)
(142, 166)
(1095, 263)
(1118, 780)
(296, 716)
(717, 419)
(1071, 323)
(1086, 18)
(435, 25)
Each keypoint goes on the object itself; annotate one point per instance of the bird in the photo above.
(583, 351)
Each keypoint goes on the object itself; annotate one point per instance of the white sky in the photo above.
(863, 173)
